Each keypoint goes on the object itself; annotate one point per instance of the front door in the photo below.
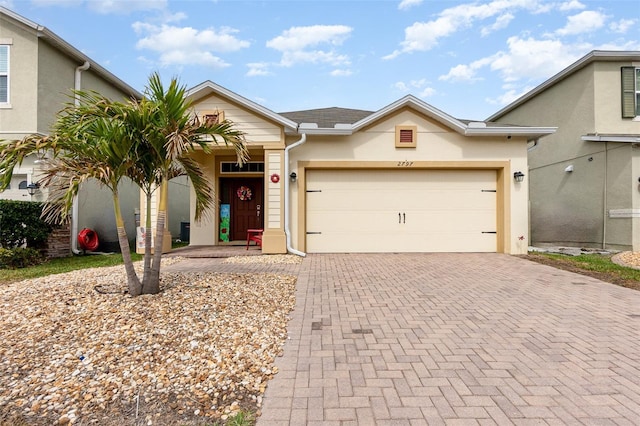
(244, 196)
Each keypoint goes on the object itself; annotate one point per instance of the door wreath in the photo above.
(244, 193)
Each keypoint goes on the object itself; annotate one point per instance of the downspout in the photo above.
(604, 196)
(74, 208)
(287, 197)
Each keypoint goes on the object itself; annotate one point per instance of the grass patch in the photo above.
(594, 265)
(62, 265)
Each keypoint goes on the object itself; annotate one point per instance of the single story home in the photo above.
(405, 178)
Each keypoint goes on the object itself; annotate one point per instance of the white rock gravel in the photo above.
(202, 348)
(271, 258)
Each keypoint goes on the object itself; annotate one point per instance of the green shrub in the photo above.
(20, 222)
(17, 258)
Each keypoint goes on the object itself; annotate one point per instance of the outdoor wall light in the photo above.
(32, 188)
(293, 176)
(518, 176)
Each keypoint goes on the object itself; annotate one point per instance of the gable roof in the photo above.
(464, 127)
(208, 88)
(327, 117)
(593, 56)
(345, 121)
(54, 40)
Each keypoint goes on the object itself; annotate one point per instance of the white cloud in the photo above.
(571, 5)
(429, 91)
(464, 72)
(186, 45)
(258, 69)
(298, 45)
(408, 4)
(508, 97)
(583, 22)
(622, 26)
(422, 86)
(501, 22)
(125, 7)
(531, 59)
(423, 36)
(341, 73)
(107, 6)
(6, 3)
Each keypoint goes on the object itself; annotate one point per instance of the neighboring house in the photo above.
(38, 71)
(585, 179)
(406, 178)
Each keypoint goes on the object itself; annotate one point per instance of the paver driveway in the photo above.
(455, 339)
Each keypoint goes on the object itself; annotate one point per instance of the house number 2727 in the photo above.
(404, 164)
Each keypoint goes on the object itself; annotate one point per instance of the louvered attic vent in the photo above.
(406, 136)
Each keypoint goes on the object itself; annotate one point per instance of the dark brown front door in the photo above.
(245, 198)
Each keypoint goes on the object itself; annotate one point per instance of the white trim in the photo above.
(208, 86)
(611, 138)
(593, 56)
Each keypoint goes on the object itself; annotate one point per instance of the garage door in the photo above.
(360, 211)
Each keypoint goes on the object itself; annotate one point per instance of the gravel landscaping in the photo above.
(77, 349)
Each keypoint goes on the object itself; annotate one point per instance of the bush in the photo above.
(17, 258)
(20, 222)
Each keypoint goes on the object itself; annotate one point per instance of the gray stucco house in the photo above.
(584, 180)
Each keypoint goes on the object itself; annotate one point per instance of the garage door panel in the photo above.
(401, 211)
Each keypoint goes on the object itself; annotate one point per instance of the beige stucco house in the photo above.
(584, 180)
(38, 71)
(405, 178)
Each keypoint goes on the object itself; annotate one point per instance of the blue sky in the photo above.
(468, 59)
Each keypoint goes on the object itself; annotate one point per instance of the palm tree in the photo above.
(169, 133)
(87, 142)
(148, 141)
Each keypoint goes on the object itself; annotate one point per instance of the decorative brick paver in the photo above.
(454, 339)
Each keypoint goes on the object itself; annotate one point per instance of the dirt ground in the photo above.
(569, 265)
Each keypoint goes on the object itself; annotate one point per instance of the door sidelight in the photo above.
(402, 218)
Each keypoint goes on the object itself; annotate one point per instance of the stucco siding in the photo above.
(20, 118)
(434, 143)
(257, 129)
(608, 101)
(55, 81)
(620, 184)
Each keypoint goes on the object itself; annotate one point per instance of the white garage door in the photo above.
(360, 211)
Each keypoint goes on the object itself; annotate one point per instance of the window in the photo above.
(22, 184)
(630, 92)
(212, 117)
(4, 74)
(406, 136)
(250, 167)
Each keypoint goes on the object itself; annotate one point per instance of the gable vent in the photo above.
(406, 136)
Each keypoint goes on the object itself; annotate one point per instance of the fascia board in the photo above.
(257, 108)
(580, 63)
(419, 105)
(531, 132)
(326, 131)
(611, 138)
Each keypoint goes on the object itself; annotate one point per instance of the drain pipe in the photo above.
(287, 207)
(74, 207)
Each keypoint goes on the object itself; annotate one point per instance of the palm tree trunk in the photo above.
(147, 241)
(133, 282)
(153, 285)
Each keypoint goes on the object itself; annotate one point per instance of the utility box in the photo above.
(185, 231)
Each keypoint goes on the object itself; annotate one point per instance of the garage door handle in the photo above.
(404, 218)
(399, 217)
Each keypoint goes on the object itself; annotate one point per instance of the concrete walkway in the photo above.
(460, 339)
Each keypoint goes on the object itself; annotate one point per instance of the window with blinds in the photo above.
(4, 74)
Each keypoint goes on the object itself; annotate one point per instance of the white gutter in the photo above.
(287, 197)
(74, 208)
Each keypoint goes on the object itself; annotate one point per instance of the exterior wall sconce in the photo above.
(518, 176)
(293, 176)
(32, 188)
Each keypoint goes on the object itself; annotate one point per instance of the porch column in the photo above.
(274, 240)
